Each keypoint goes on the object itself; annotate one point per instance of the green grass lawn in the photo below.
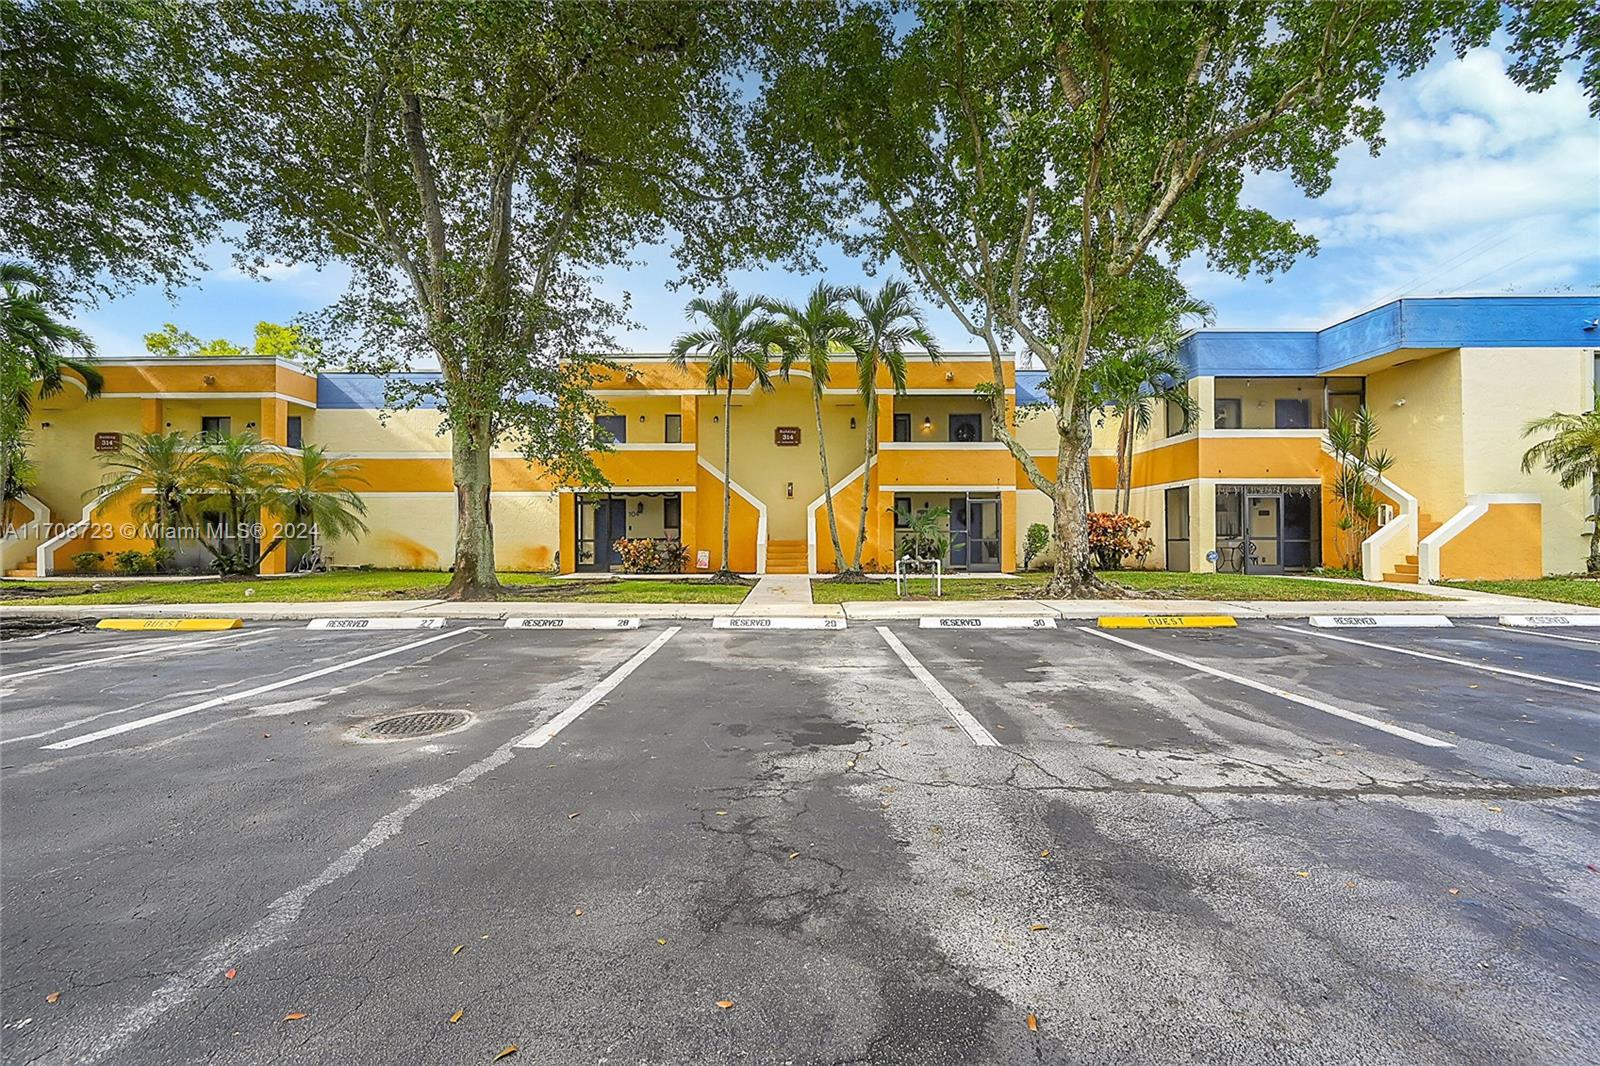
(1157, 584)
(362, 585)
(1584, 590)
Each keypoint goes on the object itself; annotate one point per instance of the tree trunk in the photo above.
(1594, 544)
(1074, 575)
(870, 450)
(827, 483)
(470, 448)
(1124, 493)
(727, 476)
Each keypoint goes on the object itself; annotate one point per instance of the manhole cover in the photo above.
(416, 724)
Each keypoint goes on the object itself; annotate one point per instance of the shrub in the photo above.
(1037, 540)
(1114, 537)
(925, 537)
(87, 562)
(161, 557)
(645, 555)
(135, 562)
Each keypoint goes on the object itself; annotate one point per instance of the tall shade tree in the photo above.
(888, 324)
(159, 471)
(816, 331)
(474, 165)
(1026, 160)
(738, 334)
(1572, 453)
(105, 165)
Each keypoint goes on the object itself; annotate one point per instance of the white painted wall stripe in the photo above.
(1452, 660)
(1281, 693)
(547, 732)
(974, 728)
(169, 645)
(235, 697)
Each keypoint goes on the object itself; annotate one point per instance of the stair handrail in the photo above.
(45, 563)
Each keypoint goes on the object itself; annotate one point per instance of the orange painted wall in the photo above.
(1264, 456)
(947, 466)
(1508, 542)
(847, 508)
(707, 501)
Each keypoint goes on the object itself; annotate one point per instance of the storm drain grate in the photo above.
(416, 724)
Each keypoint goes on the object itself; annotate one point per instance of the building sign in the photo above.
(786, 436)
(107, 442)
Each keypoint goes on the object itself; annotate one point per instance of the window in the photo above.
(613, 426)
(293, 435)
(672, 513)
(214, 427)
(674, 431)
(1177, 418)
(902, 427)
(1229, 414)
(902, 512)
(1177, 508)
(1346, 395)
(966, 429)
(1292, 414)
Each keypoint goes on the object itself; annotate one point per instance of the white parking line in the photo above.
(235, 697)
(547, 732)
(974, 728)
(1539, 633)
(1452, 660)
(1281, 693)
(169, 644)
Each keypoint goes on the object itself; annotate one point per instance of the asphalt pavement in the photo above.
(881, 844)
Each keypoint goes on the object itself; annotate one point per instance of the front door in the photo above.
(1263, 548)
(601, 522)
(958, 532)
(983, 533)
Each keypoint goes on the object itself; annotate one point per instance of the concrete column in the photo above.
(152, 416)
(688, 511)
(689, 415)
(1202, 522)
(273, 428)
(567, 503)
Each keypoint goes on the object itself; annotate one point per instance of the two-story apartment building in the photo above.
(1244, 487)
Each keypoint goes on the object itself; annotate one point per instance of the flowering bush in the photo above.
(1114, 537)
(644, 555)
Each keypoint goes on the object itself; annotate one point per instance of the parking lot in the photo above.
(884, 844)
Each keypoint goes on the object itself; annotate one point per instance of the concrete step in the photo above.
(24, 571)
(1406, 569)
(1400, 579)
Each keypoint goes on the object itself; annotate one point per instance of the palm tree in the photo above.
(161, 470)
(32, 339)
(1131, 386)
(815, 331)
(738, 333)
(1573, 456)
(315, 491)
(236, 475)
(888, 323)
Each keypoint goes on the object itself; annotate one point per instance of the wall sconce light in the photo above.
(641, 418)
(927, 424)
(949, 375)
(788, 489)
(209, 380)
(716, 418)
(852, 423)
(1401, 402)
(44, 425)
(249, 425)
(639, 508)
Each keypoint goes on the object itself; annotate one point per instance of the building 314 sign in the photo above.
(786, 436)
(107, 442)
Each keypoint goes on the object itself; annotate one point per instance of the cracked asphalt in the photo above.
(1154, 862)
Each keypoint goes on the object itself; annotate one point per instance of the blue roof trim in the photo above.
(1434, 322)
(363, 392)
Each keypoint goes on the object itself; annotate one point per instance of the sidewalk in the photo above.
(783, 598)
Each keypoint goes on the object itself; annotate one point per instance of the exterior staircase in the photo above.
(786, 557)
(1406, 573)
(25, 570)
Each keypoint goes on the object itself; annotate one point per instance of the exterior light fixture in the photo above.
(927, 424)
(788, 489)
(852, 423)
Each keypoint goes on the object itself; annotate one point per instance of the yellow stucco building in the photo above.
(1245, 487)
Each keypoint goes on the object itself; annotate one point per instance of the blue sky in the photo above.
(1481, 187)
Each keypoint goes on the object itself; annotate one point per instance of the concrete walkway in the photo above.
(777, 594)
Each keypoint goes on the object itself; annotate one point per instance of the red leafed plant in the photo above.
(1115, 537)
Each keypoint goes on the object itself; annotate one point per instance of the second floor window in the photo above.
(966, 429)
(1229, 414)
(215, 427)
(674, 429)
(293, 435)
(612, 427)
(902, 427)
